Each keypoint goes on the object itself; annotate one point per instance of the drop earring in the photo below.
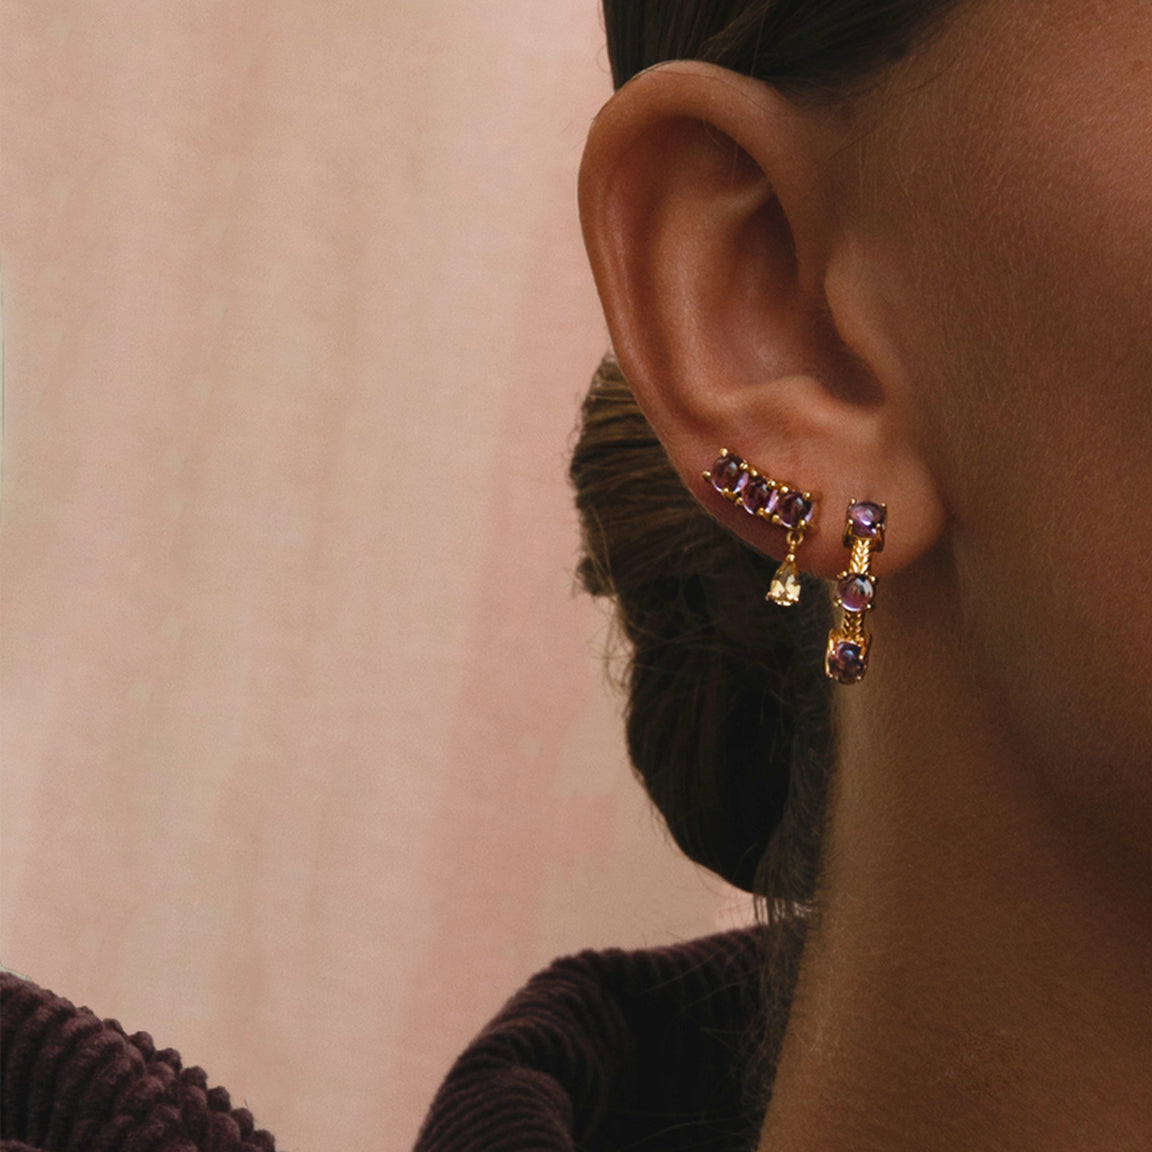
(846, 659)
(789, 508)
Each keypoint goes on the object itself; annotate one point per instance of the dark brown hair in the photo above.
(729, 715)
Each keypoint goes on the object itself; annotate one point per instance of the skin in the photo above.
(937, 296)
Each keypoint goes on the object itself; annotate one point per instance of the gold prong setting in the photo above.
(779, 504)
(846, 658)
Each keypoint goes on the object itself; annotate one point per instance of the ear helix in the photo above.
(781, 504)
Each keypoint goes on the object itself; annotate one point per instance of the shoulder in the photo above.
(63, 1070)
(600, 1039)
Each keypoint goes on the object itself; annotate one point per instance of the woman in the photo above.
(894, 256)
(897, 253)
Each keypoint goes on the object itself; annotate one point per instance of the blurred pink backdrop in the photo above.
(309, 757)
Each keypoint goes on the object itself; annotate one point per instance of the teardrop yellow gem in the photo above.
(785, 588)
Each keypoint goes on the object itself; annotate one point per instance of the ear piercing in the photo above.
(846, 659)
(790, 508)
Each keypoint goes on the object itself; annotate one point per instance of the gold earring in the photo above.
(789, 508)
(846, 659)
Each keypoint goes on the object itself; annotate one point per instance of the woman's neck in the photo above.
(979, 977)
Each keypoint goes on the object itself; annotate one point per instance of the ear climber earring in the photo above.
(790, 508)
(846, 659)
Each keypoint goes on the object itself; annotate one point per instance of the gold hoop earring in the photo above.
(846, 659)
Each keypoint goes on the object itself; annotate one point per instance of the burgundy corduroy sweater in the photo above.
(614, 1050)
(604, 1050)
(69, 1081)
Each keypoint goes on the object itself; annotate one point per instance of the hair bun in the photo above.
(716, 678)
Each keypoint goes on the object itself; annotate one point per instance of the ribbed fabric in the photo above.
(70, 1082)
(614, 1050)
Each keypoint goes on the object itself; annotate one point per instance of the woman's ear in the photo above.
(718, 215)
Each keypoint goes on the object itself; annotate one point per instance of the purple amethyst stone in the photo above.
(726, 473)
(846, 661)
(866, 520)
(794, 510)
(757, 494)
(855, 592)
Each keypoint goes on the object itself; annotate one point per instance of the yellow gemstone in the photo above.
(785, 588)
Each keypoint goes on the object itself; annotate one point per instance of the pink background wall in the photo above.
(308, 755)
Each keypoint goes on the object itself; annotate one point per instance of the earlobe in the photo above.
(713, 216)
